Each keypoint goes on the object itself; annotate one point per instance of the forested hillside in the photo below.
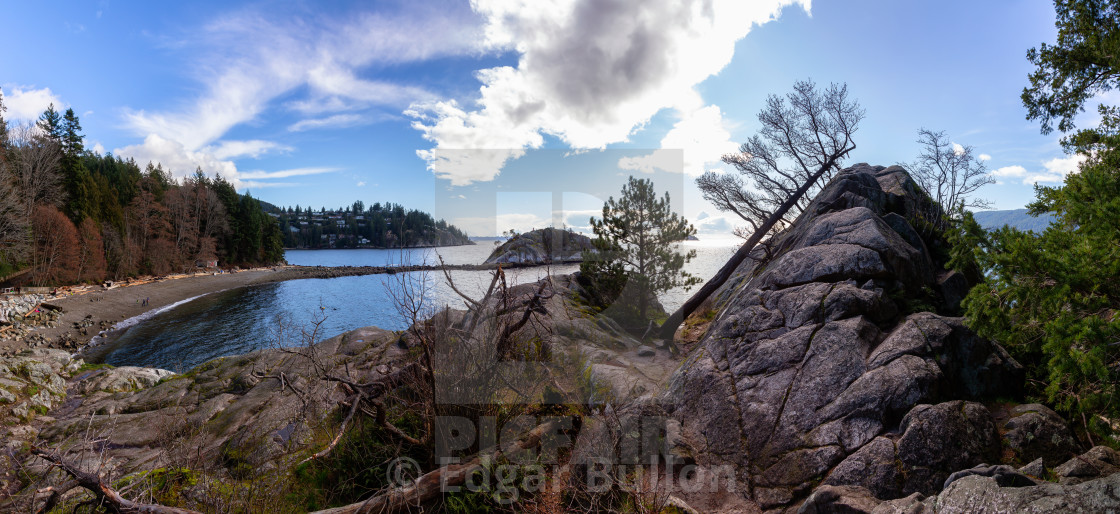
(68, 214)
(1015, 218)
(356, 226)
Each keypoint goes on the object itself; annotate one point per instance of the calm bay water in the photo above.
(245, 319)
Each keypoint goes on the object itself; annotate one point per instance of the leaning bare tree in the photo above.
(950, 173)
(804, 136)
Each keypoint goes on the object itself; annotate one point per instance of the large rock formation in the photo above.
(835, 362)
(541, 246)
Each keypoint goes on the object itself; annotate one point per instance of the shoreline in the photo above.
(105, 308)
(101, 310)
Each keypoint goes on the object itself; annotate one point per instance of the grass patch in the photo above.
(89, 366)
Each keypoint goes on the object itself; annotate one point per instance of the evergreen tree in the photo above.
(635, 239)
(1084, 61)
(3, 131)
(79, 184)
(1053, 298)
(50, 122)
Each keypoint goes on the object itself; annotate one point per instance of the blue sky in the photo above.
(325, 103)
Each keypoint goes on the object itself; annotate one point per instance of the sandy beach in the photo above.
(133, 298)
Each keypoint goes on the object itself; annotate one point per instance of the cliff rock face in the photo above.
(833, 361)
(541, 246)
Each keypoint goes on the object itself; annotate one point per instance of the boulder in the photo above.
(1034, 431)
(1099, 461)
(812, 369)
(936, 441)
(984, 494)
(122, 379)
(828, 499)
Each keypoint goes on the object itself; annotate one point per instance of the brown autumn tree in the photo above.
(91, 252)
(56, 247)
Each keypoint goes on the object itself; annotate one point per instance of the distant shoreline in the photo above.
(470, 243)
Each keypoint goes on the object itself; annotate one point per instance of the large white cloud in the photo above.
(26, 104)
(591, 72)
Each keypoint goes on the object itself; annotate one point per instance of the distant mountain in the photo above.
(1017, 218)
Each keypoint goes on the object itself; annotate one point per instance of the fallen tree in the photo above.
(800, 143)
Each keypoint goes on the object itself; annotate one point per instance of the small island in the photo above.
(541, 246)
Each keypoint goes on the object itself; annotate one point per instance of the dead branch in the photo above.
(382, 420)
(56, 494)
(110, 498)
(430, 485)
(355, 404)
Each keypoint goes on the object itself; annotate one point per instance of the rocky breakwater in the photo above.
(838, 362)
(541, 246)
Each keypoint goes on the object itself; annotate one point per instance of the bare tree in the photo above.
(950, 173)
(14, 244)
(35, 160)
(800, 143)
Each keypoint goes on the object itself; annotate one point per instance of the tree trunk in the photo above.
(669, 328)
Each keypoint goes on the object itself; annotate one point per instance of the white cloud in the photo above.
(250, 60)
(295, 172)
(1054, 171)
(1015, 171)
(98, 148)
(26, 104)
(958, 149)
(361, 183)
(254, 148)
(335, 121)
(1062, 166)
(215, 159)
(664, 160)
(708, 224)
(703, 136)
(985, 157)
(591, 73)
(177, 158)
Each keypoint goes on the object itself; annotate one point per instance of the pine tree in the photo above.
(1053, 298)
(51, 124)
(635, 238)
(80, 187)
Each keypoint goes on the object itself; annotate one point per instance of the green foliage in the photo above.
(634, 245)
(89, 366)
(1083, 62)
(967, 240)
(359, 465)
(1054, 298)
(236, 460)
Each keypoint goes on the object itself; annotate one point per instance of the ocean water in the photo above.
(245, 319)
